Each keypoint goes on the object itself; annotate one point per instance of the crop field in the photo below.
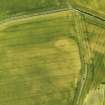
(13, 8)
(95, 94)
(39, 61)
(52, 52)
(90, 6)
(95, 38)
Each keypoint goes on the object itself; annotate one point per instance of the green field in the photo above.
(52, 52)
(93, 7)
(95, 94)
(40, 61)
(13, 8)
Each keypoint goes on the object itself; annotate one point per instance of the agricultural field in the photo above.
(40, 61)
(94, 38)
(13, 8)
(96, 94)
(52, 52)
(93, 7)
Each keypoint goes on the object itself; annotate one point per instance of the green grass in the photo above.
(93, 6)
(43, 57)
(90, 30)
(23, 7)
(39, 61)
(95, 96)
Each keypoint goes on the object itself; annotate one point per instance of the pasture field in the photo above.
(51, 52)
(39, 61)
(93, 7)
(95, 94)
(10, 8)
(92, 32)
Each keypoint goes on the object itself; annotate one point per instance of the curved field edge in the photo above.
(13, 8)
(27, 18)
(17, 50)
(84, 7)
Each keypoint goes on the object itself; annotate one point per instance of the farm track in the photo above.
(21, 19)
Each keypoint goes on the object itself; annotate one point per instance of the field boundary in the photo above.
(22, 18)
